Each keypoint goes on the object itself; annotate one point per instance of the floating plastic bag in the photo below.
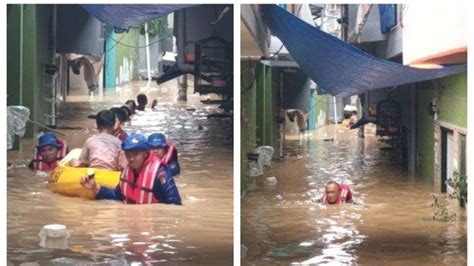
(265, 155)
(17, 116)
(255, 169)
(271, 181)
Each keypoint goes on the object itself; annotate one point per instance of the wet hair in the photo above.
(120, 113)
(127, 110)
(132, 105)
(332, 182)
(142, 99)
(105, 119)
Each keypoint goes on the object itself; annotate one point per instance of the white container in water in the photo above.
(53, 231)
(271, 181)
(54, 236)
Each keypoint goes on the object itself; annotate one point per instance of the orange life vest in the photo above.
(345, 195)
(39, 164)
(139, 190)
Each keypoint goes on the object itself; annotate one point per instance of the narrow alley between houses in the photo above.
(392, 222)
(119, 134)
(111, 232)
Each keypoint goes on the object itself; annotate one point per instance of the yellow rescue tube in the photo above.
(65, 180)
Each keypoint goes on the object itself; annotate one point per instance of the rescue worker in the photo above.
(336, 193)
(166, 151)
(145, 180)
(102, 150)
(49, 151)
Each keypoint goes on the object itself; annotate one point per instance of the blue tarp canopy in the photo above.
(124, 16)
(338, 67)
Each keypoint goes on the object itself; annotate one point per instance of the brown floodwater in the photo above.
(283, 223)
(112, 233)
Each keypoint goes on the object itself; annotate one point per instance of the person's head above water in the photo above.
(332, 192)
(120, 113)
(158, 145)
(142, 99)
(136, 150)
(48, 146)
(132, 105)
(106, 121)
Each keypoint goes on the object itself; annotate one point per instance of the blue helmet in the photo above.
(157, 140)
(46, 139)
(135, 142)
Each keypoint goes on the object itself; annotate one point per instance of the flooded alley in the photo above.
(113, 233)
(392, 223)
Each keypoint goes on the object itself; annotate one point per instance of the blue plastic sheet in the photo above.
(387, 17)
(124, 16)
(338, 67)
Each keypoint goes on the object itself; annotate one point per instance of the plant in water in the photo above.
(459, 183)
(440, 206)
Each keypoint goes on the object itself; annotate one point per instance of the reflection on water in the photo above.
(390, 226)
(110, 232)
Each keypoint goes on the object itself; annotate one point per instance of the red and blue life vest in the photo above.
(139, 190)
(39, 164)
(344, 196)
(171, 153)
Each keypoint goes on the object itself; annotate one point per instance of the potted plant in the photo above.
(459, 184)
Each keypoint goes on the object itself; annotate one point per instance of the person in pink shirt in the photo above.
(103, 150)
(336, 193)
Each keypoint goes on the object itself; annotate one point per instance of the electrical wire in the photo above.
(139, 46)
(115, 43)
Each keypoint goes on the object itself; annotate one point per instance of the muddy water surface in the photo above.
(284, 223)
(109, 232)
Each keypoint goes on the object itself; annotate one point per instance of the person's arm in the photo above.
(105, 193)
(31, 165)
(164, 188)
(174, 168)
(121, 161)
(101, 192)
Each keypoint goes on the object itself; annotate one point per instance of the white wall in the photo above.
(434, 28)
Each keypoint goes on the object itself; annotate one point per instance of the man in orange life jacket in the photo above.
(48, 152)
(336, 193)
(145, 179)
(166, 151)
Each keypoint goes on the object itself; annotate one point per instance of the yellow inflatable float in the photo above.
(65, 180)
